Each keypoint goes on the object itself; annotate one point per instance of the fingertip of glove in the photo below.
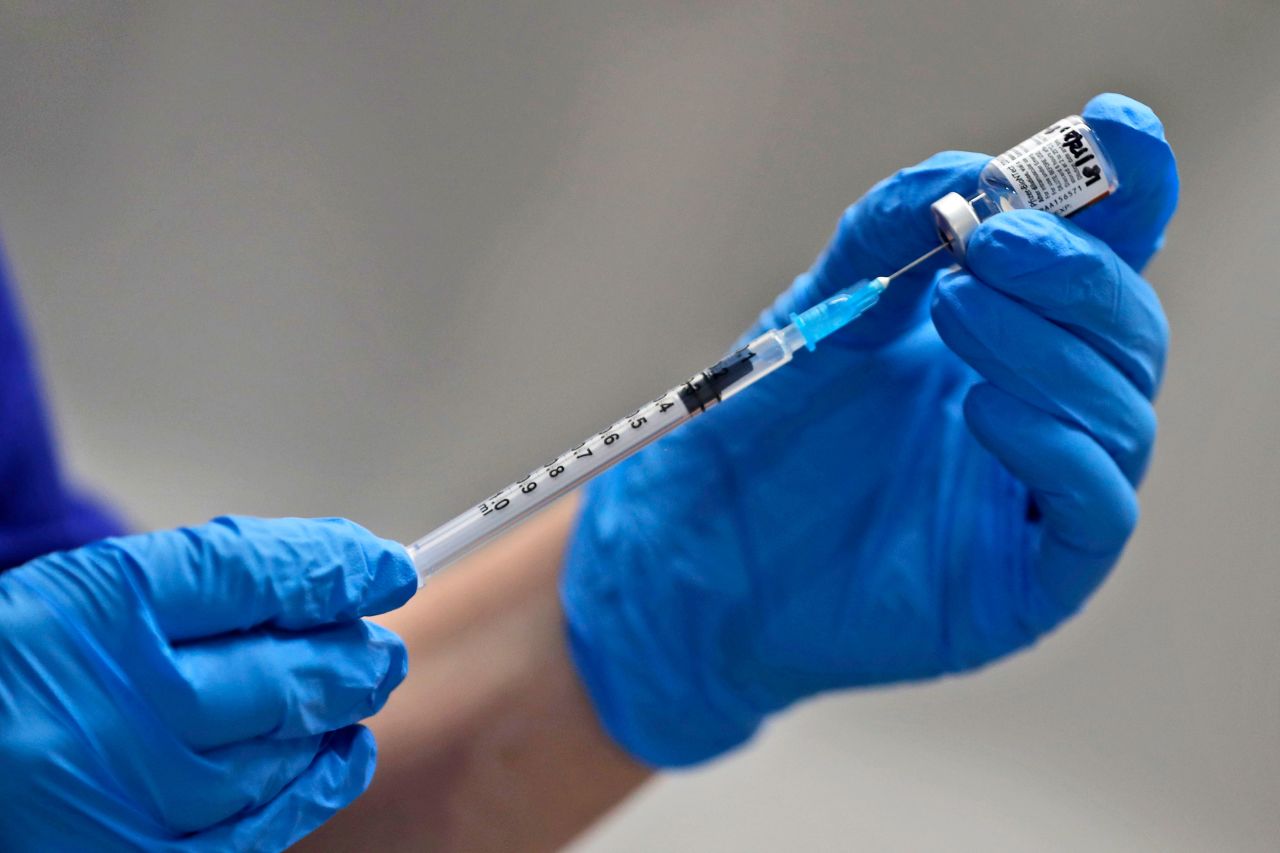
(379, 572)
(948, 292)
(973, 318)
(356, 744)
(1112, 111)
(1134, 139)
(947, 308)
(1018, 243)
(395, 665)
(945, 165)
(980, 396)
(395, 578)
(913, 186)
(895, 205)
(987, 409)
(362, 757)
(352, 755)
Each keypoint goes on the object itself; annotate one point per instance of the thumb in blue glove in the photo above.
(195, 689)
(935, 487)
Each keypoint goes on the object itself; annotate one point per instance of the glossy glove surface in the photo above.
(39, 512)
(935, 487)
(195, 689)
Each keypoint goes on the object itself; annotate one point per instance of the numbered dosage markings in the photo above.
(532, 481)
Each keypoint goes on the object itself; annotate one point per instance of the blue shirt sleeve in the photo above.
(39, 511)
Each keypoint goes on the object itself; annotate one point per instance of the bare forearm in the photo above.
(491, 743)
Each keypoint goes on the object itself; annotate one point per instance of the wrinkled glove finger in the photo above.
(279, 684)
(1047, 366)
(236, 573)
(1133, 219)
(236, 779)
(1088, 507)
(337, 776)
(1075, 279)
(888, 227)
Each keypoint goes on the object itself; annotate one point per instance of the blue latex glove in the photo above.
(921, 495)
(194, 689)
(39, 513)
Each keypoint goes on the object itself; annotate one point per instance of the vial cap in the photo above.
(955, 219)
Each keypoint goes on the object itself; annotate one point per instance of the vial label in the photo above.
(1057, 170)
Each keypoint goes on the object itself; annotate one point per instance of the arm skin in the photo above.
(491, 742)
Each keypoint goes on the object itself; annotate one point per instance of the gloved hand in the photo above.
(935, 487)
(194, 689)
(39, 513)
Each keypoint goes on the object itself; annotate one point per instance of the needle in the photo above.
(920, 260)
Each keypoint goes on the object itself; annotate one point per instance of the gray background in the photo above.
(373, 259)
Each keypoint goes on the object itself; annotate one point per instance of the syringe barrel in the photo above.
(543, 485)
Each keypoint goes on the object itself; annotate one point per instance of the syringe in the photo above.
(736, 372)
(1061, 170)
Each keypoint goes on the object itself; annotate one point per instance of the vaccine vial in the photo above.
(1062, 170)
